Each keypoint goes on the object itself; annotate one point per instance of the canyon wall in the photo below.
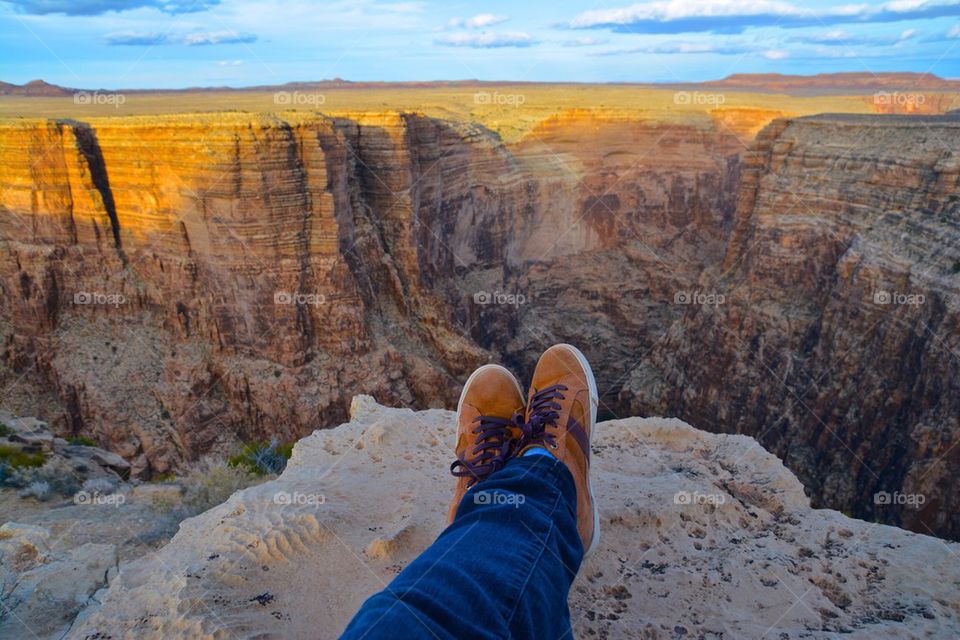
(181, 283)
(837, 341)
(172, 285)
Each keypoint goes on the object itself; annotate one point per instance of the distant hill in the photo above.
(34, 88)
(835, 81)
(824, 83)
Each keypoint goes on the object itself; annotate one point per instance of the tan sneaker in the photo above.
(489, 414)
(561, 417)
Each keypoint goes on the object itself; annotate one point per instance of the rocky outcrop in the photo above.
(702, 536)
(43, 588)
(68, 465)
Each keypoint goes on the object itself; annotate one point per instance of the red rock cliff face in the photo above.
(182, 282)
(837, 343)
(263, 270)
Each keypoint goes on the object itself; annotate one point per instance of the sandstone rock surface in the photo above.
(42, 590)
(295, 557)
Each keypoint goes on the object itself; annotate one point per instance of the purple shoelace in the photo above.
(493, 448)
(544, 412)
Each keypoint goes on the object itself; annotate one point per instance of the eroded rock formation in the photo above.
(243, 276)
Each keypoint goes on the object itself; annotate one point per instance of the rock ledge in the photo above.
(704, 536)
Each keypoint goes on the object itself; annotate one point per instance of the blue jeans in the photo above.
(502, 569)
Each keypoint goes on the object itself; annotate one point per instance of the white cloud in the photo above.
(836, 35)
(488, 39)
(775, 54)
(733, 16)
(229, 63)
(672, 48)
(675, 9)
(954, 31)
(99, 7)
(143, 39)
(479, 21)
(482, 20)
(841, 38)
(905, 5)
(216, 37)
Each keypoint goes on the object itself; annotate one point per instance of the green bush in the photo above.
(262, 458)
(57, 473)
(211, 483)
(17, 459)
(5, 431)
(82, 441)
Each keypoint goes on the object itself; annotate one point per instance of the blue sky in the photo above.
(181, 43)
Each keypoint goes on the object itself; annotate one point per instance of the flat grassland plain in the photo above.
(511, 110)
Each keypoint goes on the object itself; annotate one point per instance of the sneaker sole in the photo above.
(594, 403)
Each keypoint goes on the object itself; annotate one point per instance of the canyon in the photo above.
(173, 285)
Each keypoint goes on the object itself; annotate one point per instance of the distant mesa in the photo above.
(836, 81)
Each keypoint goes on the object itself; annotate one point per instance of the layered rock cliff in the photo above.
(837, 341)
(172, 285)
(228, 283)
(702, 536)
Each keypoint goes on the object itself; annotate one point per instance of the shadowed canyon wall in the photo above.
(174, 284)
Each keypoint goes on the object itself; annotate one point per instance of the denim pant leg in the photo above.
(502, 569)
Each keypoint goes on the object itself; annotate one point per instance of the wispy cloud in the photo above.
(488, 40)
(841, 38)
(216, 37)
(584, 42)
(679, 48)
(190, 39)
(724, 16)
(134, 39)
(98, 7)
(479, 21)
(483, 20)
